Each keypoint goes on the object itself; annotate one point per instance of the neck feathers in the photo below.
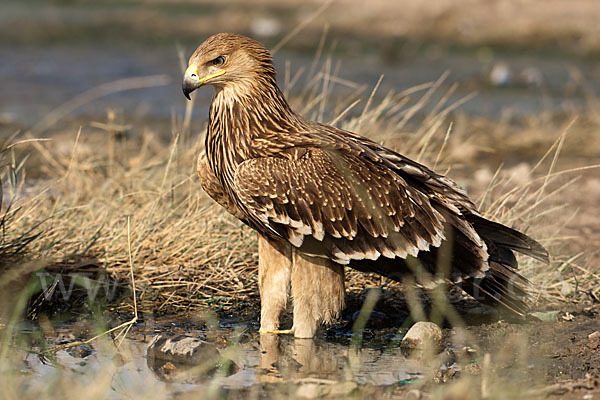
(244, 117)
(255, 107)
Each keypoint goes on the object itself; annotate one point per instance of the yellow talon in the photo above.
(276, 331)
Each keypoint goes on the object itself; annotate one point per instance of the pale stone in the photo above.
(423, 335)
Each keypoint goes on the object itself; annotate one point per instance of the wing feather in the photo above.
(351, 207)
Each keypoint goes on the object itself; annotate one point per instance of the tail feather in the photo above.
(503, 236)
(502, 288)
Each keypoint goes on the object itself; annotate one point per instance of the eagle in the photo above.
(322, 199)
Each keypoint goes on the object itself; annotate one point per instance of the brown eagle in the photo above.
(322, 198)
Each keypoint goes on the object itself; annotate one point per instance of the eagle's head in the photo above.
(227, 59)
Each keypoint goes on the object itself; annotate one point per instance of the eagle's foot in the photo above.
(276, 331)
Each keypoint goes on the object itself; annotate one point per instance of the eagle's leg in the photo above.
(274, 269)
(317, 293)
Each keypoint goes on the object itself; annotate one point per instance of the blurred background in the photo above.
(521, 57)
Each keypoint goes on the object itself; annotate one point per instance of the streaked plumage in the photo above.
(338, 196)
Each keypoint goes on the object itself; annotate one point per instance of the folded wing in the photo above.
(348, 207)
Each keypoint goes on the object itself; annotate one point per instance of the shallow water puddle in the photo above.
(135, 366)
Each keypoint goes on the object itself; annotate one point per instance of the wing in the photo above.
(349, 205)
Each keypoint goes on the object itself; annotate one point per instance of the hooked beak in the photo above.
(192, 81)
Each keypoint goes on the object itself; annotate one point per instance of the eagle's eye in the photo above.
(218, 61)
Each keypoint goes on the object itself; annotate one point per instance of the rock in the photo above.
(594, 340)
(182, 349)
(414, 394)
(423, 336)
(500, 74)
(170, 356)
(81, 351)
(568, 316)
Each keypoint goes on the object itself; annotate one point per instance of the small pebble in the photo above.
(500, 74)
(568, 317)
(594, 340)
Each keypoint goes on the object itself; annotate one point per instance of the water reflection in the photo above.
(283, 358)
(235, 364)
(290, 358)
